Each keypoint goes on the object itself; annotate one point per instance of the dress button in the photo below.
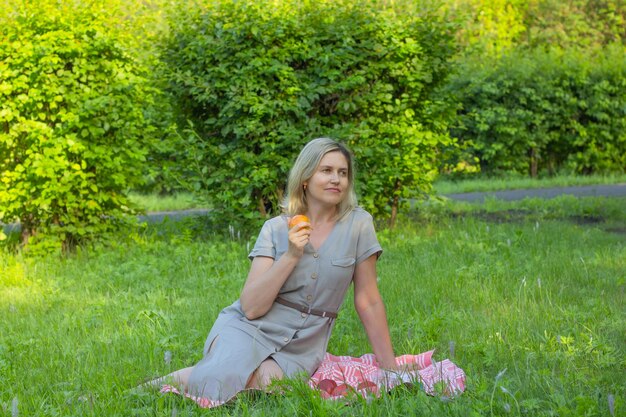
(286, 339)
(303, 315)
(316, 255)
(309, 297)
(314, 275)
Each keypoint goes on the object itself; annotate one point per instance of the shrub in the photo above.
(257, 81)
(551, 111)
(72, 129)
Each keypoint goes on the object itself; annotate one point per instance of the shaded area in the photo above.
(522, 216)
(614, 190)
(609, 190)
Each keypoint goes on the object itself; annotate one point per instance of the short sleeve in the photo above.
(264, 245)
(367, 244)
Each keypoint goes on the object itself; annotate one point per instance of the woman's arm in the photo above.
(267, 276)
(371, 310)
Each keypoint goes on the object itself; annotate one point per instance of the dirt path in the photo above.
(614, 190)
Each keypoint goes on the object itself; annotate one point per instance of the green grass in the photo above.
(173, 202)
(445, 186)
(184, 201)
(526, 290)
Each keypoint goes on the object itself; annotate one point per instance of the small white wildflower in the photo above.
(451, 348)
(524, 281)
(500, 374)
(611, 401)
(14, 410)
(539, 282)
(507, 407)
(504, 390)
(558, 338)
(536, 225)
(167, 357)
(508, 242)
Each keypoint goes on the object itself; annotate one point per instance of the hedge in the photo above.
(544, 111)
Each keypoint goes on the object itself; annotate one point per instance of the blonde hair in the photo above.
(304, 168)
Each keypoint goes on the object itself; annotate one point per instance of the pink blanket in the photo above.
(337, 376)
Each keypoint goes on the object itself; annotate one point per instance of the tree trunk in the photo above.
(394, 205)
(28, 229)
(281, 195)
(533, 162)
(261, 205)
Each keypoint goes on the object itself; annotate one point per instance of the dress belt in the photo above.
(305, 309)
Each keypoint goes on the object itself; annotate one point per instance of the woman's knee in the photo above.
(264, 374)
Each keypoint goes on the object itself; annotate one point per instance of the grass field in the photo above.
(530, 294)
(172, 202)
(444, 186)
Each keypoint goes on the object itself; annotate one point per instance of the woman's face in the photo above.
(329, 184)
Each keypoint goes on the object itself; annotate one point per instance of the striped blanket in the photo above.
(340, 376)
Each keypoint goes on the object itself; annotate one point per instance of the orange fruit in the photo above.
(298, 218)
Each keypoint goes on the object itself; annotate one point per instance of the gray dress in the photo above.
(296, 341)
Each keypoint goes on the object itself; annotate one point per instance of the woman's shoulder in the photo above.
(360, 214)
(358, 218)
(277, 222)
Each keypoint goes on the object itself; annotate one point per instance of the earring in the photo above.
(304, 187)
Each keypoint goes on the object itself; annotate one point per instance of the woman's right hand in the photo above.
(267, 276)
(299, 236)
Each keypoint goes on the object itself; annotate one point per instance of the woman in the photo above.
(281, 324)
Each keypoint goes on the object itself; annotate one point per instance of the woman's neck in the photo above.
(322, 214)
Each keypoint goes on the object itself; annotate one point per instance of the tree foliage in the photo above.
(495, 27)
(258, 80)
(73, 133)
(575, 23)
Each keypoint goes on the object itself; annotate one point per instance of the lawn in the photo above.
(526, 297)
(484, 184)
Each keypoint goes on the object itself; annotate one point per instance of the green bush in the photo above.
(255, 81)
(73, 134)
(545, 111)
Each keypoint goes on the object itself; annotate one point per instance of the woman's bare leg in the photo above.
(264, 374)
(179, 378)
